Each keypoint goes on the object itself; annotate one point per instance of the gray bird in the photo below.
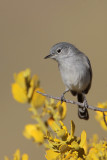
(76, 72)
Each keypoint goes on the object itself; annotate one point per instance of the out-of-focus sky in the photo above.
(28, 29)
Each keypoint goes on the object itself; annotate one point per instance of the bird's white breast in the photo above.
(75, 74)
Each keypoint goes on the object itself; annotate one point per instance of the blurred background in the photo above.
(28, 29)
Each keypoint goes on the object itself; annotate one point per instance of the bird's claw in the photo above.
(85, 103)
(62, 98)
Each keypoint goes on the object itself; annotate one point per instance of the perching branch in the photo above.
(78, 103)
(73, 102)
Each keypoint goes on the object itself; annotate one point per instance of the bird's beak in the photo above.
(49, 56)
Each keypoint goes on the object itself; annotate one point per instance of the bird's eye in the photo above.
(59, 50)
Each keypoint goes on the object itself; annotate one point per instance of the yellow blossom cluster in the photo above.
(17, 156)
(25, 87)
(66, 146)
(97, 149)
(24, 90)
(33, 131)
(49, 129)
(38, 131)
(99, 115)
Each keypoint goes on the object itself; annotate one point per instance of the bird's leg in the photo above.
(62, 96)
(85, 101)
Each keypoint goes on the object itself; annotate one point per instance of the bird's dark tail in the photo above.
(82, 112)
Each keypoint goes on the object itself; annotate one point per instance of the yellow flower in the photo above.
(22, 78)
(73, 156)
(34, 83)
(51, 155)
(57, 111)
(83, 142)
(99, 115)
(83, 139)
(37, 99)
(19, 94)
(55, 127)
(17, 156)
(94, 140)
(72, 128)
(25, 87)
(98, 151)
(68, 146)
(35, 132)
(20, 87)
(25, 157)
(62, 109)
(59, 128)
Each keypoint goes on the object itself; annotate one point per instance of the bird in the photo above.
(76, 73)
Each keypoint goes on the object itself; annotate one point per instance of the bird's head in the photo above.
(60, 50)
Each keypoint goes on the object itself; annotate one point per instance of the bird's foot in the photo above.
(62, 98)
(85, 103)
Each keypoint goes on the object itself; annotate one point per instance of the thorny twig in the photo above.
(78, 103)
